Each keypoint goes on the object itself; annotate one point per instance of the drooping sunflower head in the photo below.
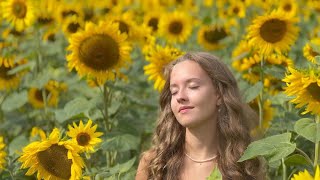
(175, 26)
(85, 135)
(304, 85)
(9, 81)
(158, 58)
(49, 95)
(210, 36)
(273, 32)
(311, 50)
(3, 154)
(52, 158)
(100, 51)
(21, 13)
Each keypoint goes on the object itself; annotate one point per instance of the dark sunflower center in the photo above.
(73, 27)
(55, 161)
(88, 14)
(236, 10)
(287, 7)
(175, 27)
(44, 20)
(83, 139)
(69, 13)
(313, 53)
(51, 37)
(15, 32)
(314, 90)
(153, 22)
(213, 36)
(19, 9)
(99, 52)
(38, 94)
(273, 30)
(123, 27)
(4, 73)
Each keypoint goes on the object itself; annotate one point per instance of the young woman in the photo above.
(203, 124)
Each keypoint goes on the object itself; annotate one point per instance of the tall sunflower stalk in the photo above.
(260, 99)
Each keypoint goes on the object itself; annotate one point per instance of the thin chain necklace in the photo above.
(201, 161)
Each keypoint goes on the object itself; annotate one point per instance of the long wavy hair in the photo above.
(233, 127)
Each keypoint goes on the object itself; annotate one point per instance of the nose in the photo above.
(181, 96)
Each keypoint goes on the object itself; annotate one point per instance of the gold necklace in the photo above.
(201, 161)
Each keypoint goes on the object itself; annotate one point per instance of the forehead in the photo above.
(187, 70)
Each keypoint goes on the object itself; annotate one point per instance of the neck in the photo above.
(202, 141)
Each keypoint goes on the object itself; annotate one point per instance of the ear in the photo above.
(219, 99)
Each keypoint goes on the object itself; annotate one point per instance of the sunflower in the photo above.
(210, 36)
(159, 57)
(51, 92)
(50, 35)
(85, 135)
(305, 175)
(9, 81)
(176, 26)
(304, 85)
(126, 23)
(273, 32)
(290, 7)
(309, 52)
(21, 13)
(67, 9)
(71, 25)
(46, 12)
(99, 51)
(151, 19)
(2, 154)
(237, 9)
(52, 158)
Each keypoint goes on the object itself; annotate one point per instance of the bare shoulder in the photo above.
(142, 171)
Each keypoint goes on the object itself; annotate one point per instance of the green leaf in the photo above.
(17, 144)
(275, 71)
(116, 171)
(121, 143)
(273, 148)
(19, 68)
(74, 107)
(296, 159)
(215, 175)
(15, 100)
(252, 92)
(308, 129)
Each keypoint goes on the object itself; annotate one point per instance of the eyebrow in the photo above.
(187, 81)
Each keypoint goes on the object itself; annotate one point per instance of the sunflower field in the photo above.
(80, 80)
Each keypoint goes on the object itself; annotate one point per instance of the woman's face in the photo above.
(194, 98)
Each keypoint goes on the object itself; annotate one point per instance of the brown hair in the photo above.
(232, 126)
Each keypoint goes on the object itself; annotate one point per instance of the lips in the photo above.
(185, 107)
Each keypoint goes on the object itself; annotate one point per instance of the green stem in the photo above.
(105, 103)
(316, 150)
(284, 170)
(261, 98)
